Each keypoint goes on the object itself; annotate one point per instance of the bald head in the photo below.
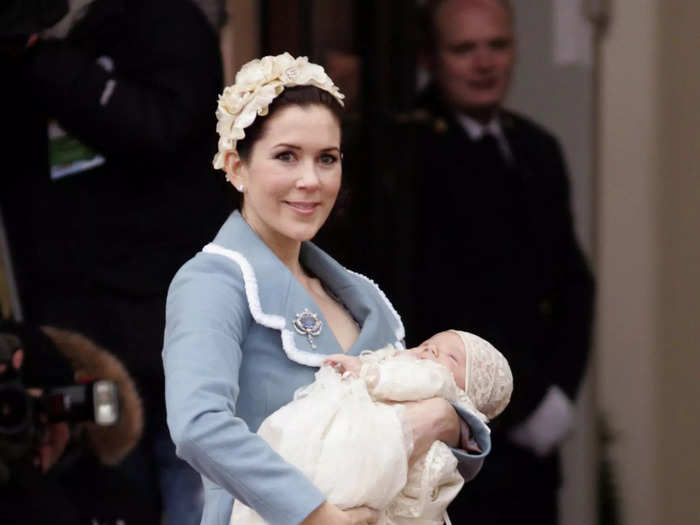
(472, 53)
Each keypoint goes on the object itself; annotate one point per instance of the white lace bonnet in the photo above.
(257, 84)
(488, 381)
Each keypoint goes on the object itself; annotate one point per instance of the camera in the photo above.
(68, 409)
(95, 401)
(24, 413)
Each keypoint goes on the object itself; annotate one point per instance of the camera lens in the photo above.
(14, 409)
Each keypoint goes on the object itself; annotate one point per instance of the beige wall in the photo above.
(649, 257)
(678, 308)
(626, 251)
(240, 38)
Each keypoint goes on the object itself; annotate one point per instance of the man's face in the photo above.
(474, 55)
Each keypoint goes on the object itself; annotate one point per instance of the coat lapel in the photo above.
(276, 298)
(364, 300)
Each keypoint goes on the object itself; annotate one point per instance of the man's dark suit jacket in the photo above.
(471, 245)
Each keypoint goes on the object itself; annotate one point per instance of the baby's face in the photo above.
(447, 349)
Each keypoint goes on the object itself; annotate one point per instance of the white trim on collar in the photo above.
(400, 331)
(276, 322)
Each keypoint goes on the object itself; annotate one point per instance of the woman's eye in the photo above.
(328, 159)
(285, 156)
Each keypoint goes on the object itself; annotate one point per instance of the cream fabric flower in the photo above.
(256, 86)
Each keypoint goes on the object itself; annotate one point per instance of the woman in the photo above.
(250, 318)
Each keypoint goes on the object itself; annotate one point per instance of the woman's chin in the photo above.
(306, 230)
(305, 234)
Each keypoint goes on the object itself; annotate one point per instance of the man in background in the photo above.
(480, 238)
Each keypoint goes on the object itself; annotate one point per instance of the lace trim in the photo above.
(400, 332)
(433, 481)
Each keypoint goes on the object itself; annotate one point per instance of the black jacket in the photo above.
(138, 82)
(130, 223)
(491, 250)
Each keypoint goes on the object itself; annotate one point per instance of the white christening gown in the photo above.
(354, 447)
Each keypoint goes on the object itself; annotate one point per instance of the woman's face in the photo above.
(292, 176)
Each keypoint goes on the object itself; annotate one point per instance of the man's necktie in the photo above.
(489, 152)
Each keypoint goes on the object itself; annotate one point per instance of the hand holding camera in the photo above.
(51, 438)
(35, 413)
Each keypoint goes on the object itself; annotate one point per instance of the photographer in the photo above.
(106, 186)
(58, 471)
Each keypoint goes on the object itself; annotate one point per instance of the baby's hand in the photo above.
(344, 363)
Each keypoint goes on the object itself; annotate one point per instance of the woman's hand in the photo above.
(327, 514)
(431, 420)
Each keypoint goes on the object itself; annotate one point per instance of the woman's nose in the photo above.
(308, 178)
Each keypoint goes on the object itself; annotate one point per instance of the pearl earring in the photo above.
(240, 188)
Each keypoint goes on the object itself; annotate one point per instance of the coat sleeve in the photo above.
(565, 297)
(422, 382)
(470, 463)
(206, 323)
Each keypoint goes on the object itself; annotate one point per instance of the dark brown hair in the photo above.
(303, 96)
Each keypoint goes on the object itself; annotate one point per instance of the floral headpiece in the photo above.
(256, 86)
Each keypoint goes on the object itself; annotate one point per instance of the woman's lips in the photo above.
(304, 208)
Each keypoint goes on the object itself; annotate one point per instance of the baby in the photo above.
(346, 430)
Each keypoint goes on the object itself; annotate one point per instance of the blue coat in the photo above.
(232, 357)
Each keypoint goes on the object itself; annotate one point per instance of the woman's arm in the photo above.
(436, 419)
(207, 321)
(431, 420)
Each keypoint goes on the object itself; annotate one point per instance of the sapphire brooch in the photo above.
(307, 323)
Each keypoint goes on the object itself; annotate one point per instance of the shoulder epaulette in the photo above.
(422, 117)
